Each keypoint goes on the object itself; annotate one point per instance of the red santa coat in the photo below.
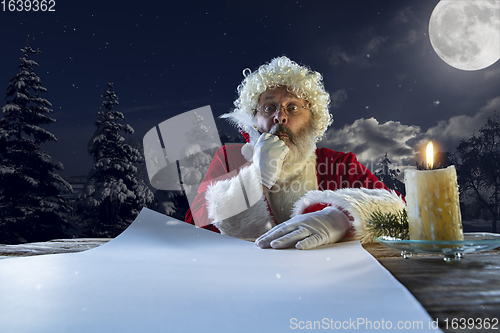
(338, 175)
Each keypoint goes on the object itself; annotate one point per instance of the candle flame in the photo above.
(430, 155)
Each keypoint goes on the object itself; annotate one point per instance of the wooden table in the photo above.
(468, 288)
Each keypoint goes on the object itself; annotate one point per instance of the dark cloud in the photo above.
(338, 97)
(449, 133)
(370, 140)
(409, 39)
(492, 74)
(403, 16)
(404, 144)
(338, 55)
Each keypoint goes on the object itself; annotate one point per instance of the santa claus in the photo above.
(279, 189)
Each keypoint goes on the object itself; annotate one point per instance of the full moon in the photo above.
(466, 34)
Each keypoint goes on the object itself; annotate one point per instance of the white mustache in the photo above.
(274, 129)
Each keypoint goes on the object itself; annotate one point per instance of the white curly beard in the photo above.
(301, 149)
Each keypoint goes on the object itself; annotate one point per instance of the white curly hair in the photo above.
(280, 72)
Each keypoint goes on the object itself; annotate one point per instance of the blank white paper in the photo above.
(164, 275)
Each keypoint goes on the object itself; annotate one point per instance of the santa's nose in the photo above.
(280, 117)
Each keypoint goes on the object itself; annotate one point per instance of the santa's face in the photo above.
(286, 124)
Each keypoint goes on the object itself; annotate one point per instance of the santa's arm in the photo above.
(224, 164)
(358, 203)
(325, 217)
(237, 206)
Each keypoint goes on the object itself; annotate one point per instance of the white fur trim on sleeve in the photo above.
(249, 224)
(229, 197)
(359, 202)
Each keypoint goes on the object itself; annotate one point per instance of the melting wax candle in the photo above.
(433, 204)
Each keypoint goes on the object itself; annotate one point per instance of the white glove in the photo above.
(307, 231)
(268, 157)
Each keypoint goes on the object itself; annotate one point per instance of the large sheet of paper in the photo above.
(164, 275)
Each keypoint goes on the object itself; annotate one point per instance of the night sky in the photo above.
(390, 90)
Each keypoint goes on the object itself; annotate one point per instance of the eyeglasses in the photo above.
(292, 109)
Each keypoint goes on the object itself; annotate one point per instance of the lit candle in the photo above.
(432, 202)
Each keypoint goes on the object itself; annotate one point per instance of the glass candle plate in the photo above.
(453, 250)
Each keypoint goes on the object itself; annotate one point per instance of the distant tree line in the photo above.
(32, 204)
(478, 171)
(32, 193)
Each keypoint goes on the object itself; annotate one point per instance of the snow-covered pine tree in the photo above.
(389, 176)
(113, 194)
(31, 206)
